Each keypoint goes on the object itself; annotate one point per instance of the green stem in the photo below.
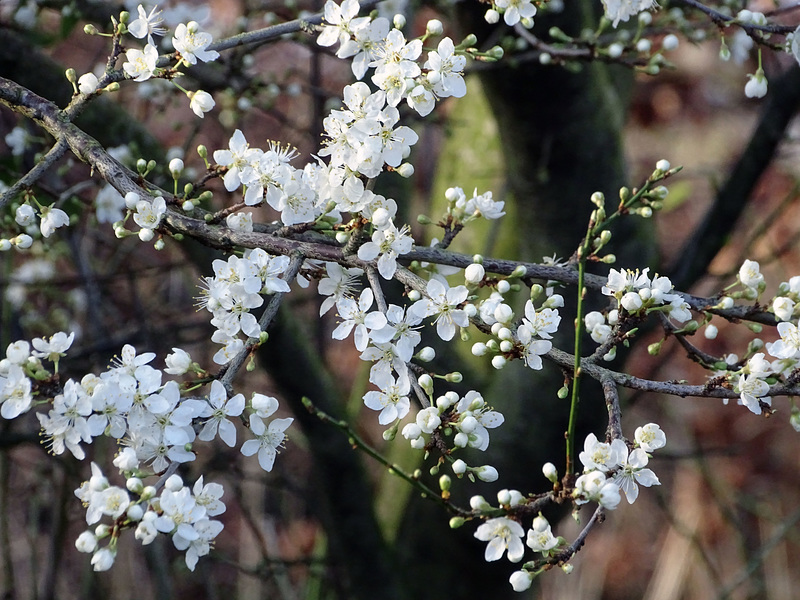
(357, 442)
(573, 408)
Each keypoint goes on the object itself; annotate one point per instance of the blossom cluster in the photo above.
(237, 287)
(190, 43)
(374, 43)
(130, 403)
(609, 468)
(174, 510)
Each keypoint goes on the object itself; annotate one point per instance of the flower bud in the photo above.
(434, 27)
(459, 467)
(474, 273)
(427, 354)
(426, 383)
(399, 21)
(492, 16)
(405, 170)
(550, 472)
(486, 473)
(457, 522)
(176, 167)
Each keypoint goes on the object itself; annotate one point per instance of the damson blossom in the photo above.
(514, 10)
(503, 535)
(443, 302)
(387, 244)
(633, 473)
(392, 399)
(540, 536)
(340, 283)
(268, 440)
(650, 437)
(445, 70)
(622, 10)
(193, 43)
(789, 344)
(147, 25)
(340, 22)
(141, 65)
(600, 456)
(355, 315)
(238, 156)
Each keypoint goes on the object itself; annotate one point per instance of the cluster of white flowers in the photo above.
(237, 287)
(637, 294)
(611, 467)
(178, 511)
(513, 11)
(189, 41)
(130, 403)
(622, 10)
(374, 43)
(468, 417)
(529, 340)
(51, 218)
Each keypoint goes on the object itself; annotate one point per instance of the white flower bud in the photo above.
(506, 346)
(103, 559)
(503, 286)
(663, 165)
(176, 167)
(486, 473)
(427, 354)
(479, 349)
(134, 484)
(174, 483)
(405, 170)
(426, 383)
(550, 472)
(631, 302)
(434, 27)
(479, 503)
(86, 542)
(135, 512)
(131, 200)
(670, 42)
(468, 424)
(503, 497)
(474, 273)
(783, 308)
(459, 467)
(146, 235)
(492, 16)
(87, 84)
(399, 21)
(498, 362)
(520, 580)
(710, 332)
(22, 241)
(461, 440)
(503, 313)
(615, 50)
(643, 45)
(411, 431)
